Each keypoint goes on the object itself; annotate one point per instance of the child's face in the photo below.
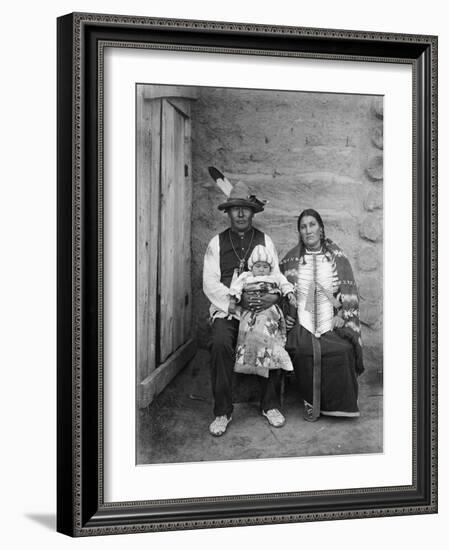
(261, 268)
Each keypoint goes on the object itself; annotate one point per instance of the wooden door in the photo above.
(175, 220)
(164, 194)
(174, 271)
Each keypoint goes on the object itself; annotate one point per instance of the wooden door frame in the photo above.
(151, 377)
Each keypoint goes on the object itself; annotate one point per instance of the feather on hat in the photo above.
(237, 195)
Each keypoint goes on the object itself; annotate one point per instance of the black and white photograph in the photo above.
(220, 307)
(259, 273)
(246, 274)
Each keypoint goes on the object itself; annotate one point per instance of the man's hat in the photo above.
(239, 194)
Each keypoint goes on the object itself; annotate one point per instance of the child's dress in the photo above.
(262, 335)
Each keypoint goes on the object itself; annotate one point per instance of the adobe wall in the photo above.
(296, 150)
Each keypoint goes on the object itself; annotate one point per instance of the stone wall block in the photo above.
(367, 258)
(371, 228)
(377, 107)
(371, 336)
(372, 357)
(370, 287)
(370, 313)
(375, 168)
(373, 200)
(377, 137)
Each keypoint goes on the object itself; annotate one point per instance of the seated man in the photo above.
(225, 259)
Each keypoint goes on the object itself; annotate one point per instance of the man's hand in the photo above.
(258, 303)
(232, 303)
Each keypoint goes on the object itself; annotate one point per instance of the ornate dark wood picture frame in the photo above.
(81, 507)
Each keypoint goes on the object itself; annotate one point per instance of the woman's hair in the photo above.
(314, 214)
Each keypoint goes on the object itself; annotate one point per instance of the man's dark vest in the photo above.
(243, 245)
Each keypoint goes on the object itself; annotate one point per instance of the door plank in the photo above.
(152, 386)
(152, 243)
(179, 207)
(187, 252)
(147, 215)
(167, 242)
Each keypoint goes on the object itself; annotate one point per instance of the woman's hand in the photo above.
(337, 322)
(289, 322)
(292, 299)
(258, 303)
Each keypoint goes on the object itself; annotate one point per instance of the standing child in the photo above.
(262, 335)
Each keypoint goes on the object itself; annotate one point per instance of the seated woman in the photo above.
(324, 340)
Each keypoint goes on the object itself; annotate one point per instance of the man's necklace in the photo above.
(241, 259)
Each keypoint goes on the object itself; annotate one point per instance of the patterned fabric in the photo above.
(261, 339)
(317, 283)
(346, 293)
(275, 284)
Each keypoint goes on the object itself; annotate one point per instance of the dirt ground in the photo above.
(174, 428)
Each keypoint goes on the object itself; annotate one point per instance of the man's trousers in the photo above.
(224, 340)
